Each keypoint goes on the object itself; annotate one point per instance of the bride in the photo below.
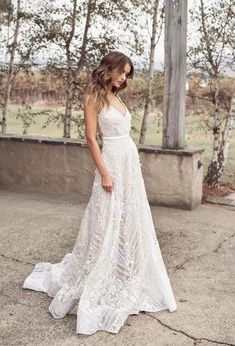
(115, 268)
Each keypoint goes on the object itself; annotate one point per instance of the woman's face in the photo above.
(120, 77)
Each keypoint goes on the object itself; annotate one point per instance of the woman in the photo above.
(115, 268)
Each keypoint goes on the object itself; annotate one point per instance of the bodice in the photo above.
(112, 123)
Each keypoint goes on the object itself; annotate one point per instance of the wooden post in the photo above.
(175, 74)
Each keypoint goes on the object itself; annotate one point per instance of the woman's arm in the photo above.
(90, 117)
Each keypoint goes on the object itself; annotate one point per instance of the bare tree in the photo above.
(154, 39)
(9, 77)
(226, 136)
(213, 54)
(79, 49)
(23, 46)
(71, 73)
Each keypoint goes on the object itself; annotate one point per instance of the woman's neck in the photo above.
(111, 93)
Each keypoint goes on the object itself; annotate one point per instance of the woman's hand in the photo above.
(107, 183)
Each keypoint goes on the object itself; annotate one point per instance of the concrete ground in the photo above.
(198, 251)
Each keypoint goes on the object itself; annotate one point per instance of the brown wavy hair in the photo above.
(99, 82)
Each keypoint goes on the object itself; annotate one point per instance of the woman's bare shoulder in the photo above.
(88, 101)
(90, 107)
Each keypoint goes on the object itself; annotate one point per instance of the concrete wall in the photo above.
(65, 166)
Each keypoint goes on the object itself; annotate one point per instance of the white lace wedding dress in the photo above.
(115, 268)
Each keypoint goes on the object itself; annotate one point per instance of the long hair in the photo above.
(99, 82)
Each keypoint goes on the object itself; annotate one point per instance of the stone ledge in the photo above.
(43, 139)
(63, 165)
(157, 149)
(154, 149)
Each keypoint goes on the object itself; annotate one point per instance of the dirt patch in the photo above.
(220, 190)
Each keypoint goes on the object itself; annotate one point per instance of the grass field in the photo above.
(195, 135)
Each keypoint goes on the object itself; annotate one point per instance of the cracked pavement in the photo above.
(198, 251)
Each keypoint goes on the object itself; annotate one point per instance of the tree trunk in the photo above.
(213, 168)
(149, 90)
(228, 129)
(73, 75)
(85, 35)
(217, 166)
(69, 102)
(10, 70)
(70, 77)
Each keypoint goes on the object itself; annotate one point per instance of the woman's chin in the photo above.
(117, 85)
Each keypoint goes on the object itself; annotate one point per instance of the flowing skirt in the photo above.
(115, 268)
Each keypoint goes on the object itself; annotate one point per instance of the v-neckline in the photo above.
(124, 116)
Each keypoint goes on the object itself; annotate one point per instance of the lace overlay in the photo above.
(115, 268)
